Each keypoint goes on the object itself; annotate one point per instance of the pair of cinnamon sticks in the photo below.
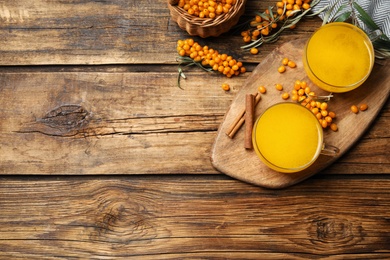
(246, 115)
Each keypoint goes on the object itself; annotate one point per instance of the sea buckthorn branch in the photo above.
(268, 20)
(320, 98)
(208, 59)
(188, 62)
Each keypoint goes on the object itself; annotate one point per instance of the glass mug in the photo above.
(288, 138)
(338, 57)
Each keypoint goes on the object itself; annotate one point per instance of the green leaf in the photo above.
(264, 16)
(343, 17)
(365, 17)
(271, 14)
(328, 13)
(341, 8)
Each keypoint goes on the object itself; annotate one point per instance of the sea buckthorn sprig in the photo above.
(208, 59)
(303, 94)
(206, 8)
(268, 25)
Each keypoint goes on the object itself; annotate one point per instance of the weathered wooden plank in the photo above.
(122, 123)
(107, 123)
(191, 216)
(106, 32)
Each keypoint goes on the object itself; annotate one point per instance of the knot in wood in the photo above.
(66, 118)
(335, 231)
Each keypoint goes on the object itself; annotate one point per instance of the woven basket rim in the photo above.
(206, 22)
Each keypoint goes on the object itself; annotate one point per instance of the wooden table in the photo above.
(103, 156)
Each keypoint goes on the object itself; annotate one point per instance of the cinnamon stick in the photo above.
(249, 109)
(239, 121)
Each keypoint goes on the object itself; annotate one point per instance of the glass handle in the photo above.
(375, 35)
(329, 150)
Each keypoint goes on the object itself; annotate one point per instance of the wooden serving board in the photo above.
(229, 155)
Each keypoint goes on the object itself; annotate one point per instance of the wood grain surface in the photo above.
(228, 154)
(121, 123)
(107, 32)
(102, 156)
(340, 217)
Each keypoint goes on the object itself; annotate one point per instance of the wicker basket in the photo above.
(206, 27)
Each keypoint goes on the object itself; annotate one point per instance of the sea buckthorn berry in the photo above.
(256, 33)
(279, 87)
(305, 6)
(285, 61)
(285, 96)
(334, 127)
(225, 87)
(281, 69)
(289, 13)
(354, 109)
(291, 64)
(247, 38)
(254, 51)
(332, 114)
(363, 107)
(265, 31)
(262, 90)
(324, 106)
(296, 7)
(318, 115)
(324, 124)
(280, 4)
(245, 33)
(182, 52)
(303, 84)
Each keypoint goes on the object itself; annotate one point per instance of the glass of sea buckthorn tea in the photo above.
(338, 57)
(288, 138)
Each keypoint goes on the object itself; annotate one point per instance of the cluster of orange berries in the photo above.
(303, 94)
(286, 62)
(291, 6)
(355, 109)
(263, 24)
(209, 57)
(206, 8)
